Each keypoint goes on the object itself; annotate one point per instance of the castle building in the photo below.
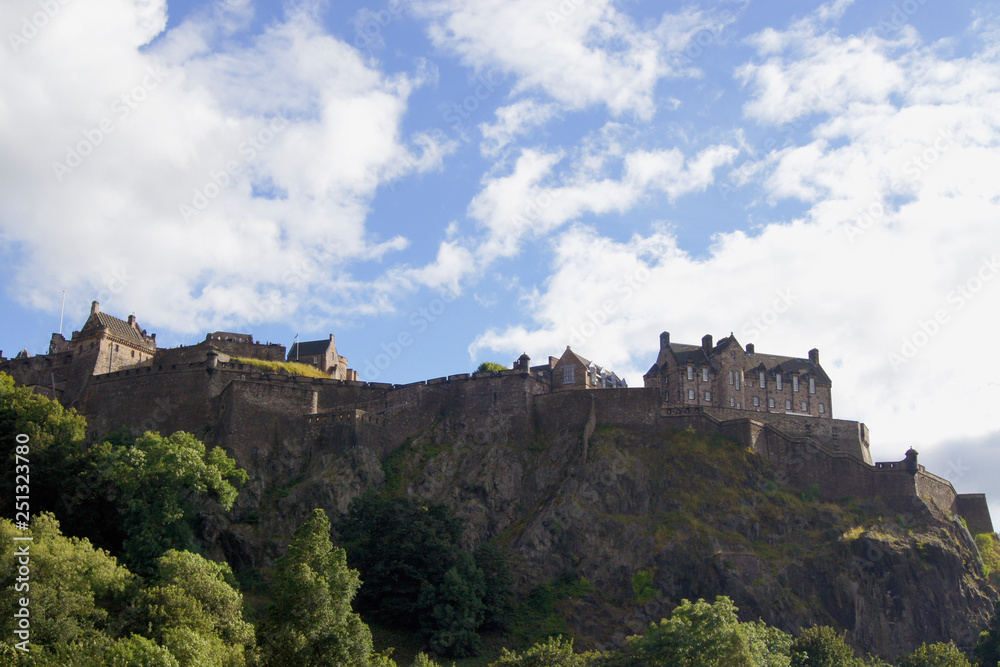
(727, 375)
(571, 371)
(117, 344)
(323, 355)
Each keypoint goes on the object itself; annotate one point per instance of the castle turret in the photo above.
(523, 362)
(910, 462)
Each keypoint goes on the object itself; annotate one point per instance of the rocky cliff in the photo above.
(639, 519)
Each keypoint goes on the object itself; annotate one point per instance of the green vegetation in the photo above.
(158, 485)
(537, 617)
(417, 577)
(283, 367)
(989, 551)
(490, 366)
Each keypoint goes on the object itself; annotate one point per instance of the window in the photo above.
(756, 402)
(738, 380)
(690, 394)
(795, 383)
(804, 408)
(761, 378)
(732, 402)
(690, 372)
(569, 374)
(822, 408)
(731, 377)
(770, 403)
(777, 380)
(708, 396)
(704, 375)
(788, 405)
(133, 354)
(812, 385)
(739, 407)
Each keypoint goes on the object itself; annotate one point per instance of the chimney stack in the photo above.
(750, 348)
(706, 344)
(664, 340)
(94, 307)
(814, 356)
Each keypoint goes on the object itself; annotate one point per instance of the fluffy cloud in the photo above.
(210, 180)
(578, 53)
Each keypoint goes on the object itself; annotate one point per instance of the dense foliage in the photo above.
(490, 366)
(417, 576)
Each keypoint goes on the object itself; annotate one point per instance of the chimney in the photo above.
(94, 307)
(664, 340)
(749, 348)
(331, 338)
(131, 320)
(706, 344)
(814, 356)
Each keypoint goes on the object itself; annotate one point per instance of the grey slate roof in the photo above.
(309, 347)
(115, 326)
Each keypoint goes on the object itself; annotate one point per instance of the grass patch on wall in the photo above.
(282, 367)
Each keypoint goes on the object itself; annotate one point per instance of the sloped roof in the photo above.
(309, 347)
(120, 328)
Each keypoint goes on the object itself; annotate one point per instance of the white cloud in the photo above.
(578, 53)
(512, 121)
(104, 144)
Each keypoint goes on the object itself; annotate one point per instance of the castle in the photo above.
(777, 406)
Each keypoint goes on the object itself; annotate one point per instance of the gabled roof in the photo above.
(573, 355)
(99, 321)
(309, 347)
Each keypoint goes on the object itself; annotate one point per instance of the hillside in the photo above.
(635, 522)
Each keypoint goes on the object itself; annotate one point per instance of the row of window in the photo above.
(756, 402)
(734, 379)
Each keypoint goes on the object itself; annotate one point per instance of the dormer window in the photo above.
(760, 376)
(777, 380)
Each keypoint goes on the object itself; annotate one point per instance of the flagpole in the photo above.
(62, 312)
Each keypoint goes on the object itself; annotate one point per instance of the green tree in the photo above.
(700, 634)
(498, 596)
(453, 610)
(195, 610)
(822, 647)
(76, 592)
(987, 652)
(55, 446)
(490, 366)
(311, 621)
(553, 652)
(936, 655)
(159, 484)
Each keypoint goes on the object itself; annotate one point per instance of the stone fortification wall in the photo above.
(839, 435)
(633, 407)
(71, 371)
(973, 508)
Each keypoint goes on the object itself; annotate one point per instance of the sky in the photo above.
(444, 182)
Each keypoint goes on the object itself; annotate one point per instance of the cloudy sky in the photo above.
(443, 182)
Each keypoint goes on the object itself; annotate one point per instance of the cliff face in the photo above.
(646, 519)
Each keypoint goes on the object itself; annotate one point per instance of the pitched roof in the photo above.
(309, 347)
(116, 327)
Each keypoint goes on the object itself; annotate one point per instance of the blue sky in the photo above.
(481, 178)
